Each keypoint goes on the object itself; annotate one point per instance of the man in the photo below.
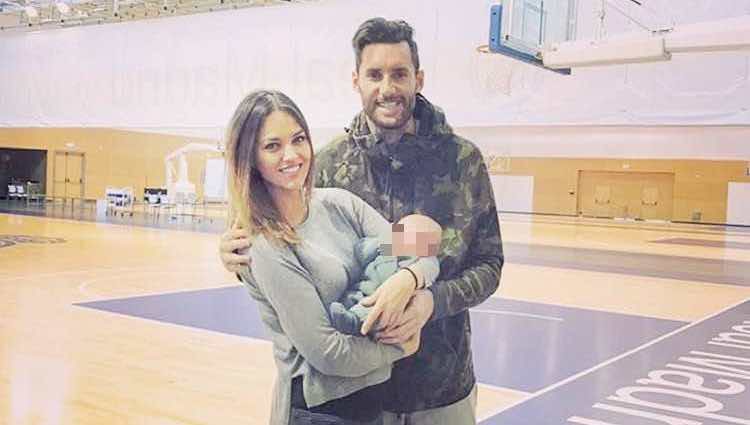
(401, 156)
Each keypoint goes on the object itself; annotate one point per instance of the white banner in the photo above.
(188, 73)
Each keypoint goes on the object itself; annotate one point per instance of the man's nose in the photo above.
(387, 87)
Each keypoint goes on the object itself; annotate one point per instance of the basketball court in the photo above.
(106, 323)
(621, 173)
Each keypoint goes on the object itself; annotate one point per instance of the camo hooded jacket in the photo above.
(439, 174)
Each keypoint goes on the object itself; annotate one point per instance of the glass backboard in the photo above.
(521, 28)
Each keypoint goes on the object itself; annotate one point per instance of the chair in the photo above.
(34, 193)
(152, 202)
(119, 200)
(127, 202)
(113, 195)
(20, 191)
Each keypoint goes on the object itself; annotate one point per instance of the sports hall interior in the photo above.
(623, 192)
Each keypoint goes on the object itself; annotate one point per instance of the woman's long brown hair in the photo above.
(250, 203)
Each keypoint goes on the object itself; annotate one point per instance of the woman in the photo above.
(302, 260)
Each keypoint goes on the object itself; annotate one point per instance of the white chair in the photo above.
(113, 195)
(119, 200)
(20, 191)
(126, 202)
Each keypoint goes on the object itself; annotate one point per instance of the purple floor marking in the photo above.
(228, 310)
(519, 345)
(704, 242)
(578, 397)
(700, 228)
(710, 270)
(532, 350)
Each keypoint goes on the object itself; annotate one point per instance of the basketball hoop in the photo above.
(493, 73)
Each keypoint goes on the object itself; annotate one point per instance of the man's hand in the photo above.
(234, 241)
(389, 301)
(411, 345)
(417, 313)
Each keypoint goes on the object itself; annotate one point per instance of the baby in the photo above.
(414, 236)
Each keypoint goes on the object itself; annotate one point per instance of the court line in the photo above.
(503, 389)
(514, 313)
(612, 360)
(243, 338)
(637, 264)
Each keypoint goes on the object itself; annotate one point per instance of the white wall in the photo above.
(738, 203)
(215, 180)
(513, 193)
(637, 142)
(185, 75)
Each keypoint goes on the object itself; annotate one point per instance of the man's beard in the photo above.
(400, 124)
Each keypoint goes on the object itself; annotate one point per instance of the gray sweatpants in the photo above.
(462, 412)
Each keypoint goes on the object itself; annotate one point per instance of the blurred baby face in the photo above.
(418, 241)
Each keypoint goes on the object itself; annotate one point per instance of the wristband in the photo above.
(414, 275)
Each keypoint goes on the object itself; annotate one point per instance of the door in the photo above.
(602, 201)
(59, 175)
(68, 174)
(74, 187)
(635, 195)
(650, 202)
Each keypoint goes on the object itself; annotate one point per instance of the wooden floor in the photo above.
(61, 363)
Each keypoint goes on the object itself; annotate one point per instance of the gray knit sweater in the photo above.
(294, 286)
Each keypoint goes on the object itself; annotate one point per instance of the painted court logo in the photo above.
(10, 240)
(695, 375)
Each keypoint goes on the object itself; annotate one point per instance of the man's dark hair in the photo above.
(381, 30)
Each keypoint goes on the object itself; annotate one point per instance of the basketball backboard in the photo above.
(543, 33)
(521, 28)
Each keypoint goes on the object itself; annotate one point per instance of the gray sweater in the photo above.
(294, 286)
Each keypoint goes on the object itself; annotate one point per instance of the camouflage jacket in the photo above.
(439, 174)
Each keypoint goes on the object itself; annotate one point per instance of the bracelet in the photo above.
(414, 275)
